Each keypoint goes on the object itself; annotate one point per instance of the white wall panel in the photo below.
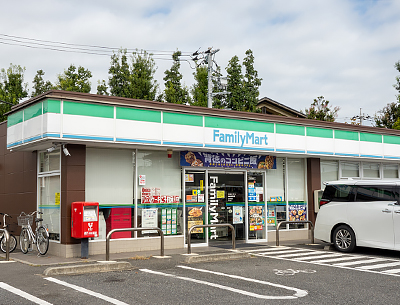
(347, 147)
(88, 126)
(182, 134)
(52, 123)
(14, 133)
(371, 149)
(320, 145)
(290, 142)
(32, 127)
(133, 130)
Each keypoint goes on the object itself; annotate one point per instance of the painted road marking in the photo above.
(285, 251)
(325, 258)
(87, 291)
(5, 262)
(23, 294)
(267, 249)
(366, 261)
(379, 266)
(298, 292)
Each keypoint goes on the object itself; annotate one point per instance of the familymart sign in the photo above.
(230, 138)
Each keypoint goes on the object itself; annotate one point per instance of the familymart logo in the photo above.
(241, 138)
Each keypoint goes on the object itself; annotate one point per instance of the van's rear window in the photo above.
(340, 192)
(374, 193)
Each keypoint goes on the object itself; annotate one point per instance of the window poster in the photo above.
(297, 212)
(237, 215)
(256, 216)
(149, 220)
(168, 221)
(189, 177)
(195, 217)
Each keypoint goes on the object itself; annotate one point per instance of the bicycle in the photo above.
(13, 240)
(27, 237)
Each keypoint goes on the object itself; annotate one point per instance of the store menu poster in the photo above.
(256, 215)
(297, 212)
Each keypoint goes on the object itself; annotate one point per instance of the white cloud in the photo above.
(344, 50)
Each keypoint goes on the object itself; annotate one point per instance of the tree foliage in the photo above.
(174, 91)
(74, 79)
(39, 85)
(235, 85)
(132, 77)
(251, 83)
(12, 88)
(200, 87)
(320, 110)
(389, 116)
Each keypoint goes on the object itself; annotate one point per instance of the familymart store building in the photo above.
(151, 164)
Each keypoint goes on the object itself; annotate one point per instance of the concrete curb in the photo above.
(216, 257)
(89, 268)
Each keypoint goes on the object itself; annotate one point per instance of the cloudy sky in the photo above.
(344, 50)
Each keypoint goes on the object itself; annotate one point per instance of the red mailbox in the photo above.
(85, 219)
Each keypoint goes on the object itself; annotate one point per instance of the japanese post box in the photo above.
(85, 219)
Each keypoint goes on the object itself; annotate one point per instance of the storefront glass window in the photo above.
(350, 169)
(390, 171)
(329, 172)
(49, 191)
(297, 205)
(159, 182)
(276, 208)
(109, 181)
(371, 170)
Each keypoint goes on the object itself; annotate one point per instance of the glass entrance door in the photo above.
(256, 206)
(226, 204)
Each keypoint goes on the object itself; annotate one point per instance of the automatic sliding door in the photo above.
(195, 204)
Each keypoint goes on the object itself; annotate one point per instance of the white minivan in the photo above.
(360, 213)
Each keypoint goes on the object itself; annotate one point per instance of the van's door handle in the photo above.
(387, 211)
(397, 211)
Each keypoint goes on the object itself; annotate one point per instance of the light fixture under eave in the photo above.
(66, 152)
(169, 151)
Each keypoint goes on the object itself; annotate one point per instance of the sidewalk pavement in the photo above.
(222, 251)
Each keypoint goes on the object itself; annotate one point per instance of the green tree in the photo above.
(39, 85)
(200, 87)
(12, 88)
(397, 85)
(251, 83)
(320, 110)
(235, 85)
(174, 92)
(102, 88)
(388, 116)
(73, 79)
(134, 79)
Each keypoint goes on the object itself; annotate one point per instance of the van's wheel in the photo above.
(344, 239)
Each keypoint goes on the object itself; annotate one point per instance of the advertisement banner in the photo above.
(297, 212)
(149, 220)
(195, 217)
(237, 215)
(256, 215)
(211, 159)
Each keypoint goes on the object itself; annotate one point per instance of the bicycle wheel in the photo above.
(13, 243)
(24, 241)
(42, 240)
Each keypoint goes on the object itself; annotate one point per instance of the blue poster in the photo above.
(211, 159)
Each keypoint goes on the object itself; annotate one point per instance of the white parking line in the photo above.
(87, 291)
(313, 256)
(299, 254)
(5, 262)
(267, 249)
(23, 294)
(366, 261)
(298, 292)
(379, 266)
(283, 252)
(338, 259)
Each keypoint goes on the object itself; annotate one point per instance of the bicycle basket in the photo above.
(25, 219)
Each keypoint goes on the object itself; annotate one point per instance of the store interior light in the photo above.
(169, 151)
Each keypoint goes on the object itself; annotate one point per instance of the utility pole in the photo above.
(207, 57)
(361, 117)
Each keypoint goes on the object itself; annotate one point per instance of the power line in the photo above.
(77, 48)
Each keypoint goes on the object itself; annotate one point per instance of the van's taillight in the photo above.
(323, 201)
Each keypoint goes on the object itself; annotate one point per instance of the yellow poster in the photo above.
(57, 199)
(220, 194)
(194, 192)
(201, 185)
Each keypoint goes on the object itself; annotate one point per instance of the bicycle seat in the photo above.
(38, 219)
